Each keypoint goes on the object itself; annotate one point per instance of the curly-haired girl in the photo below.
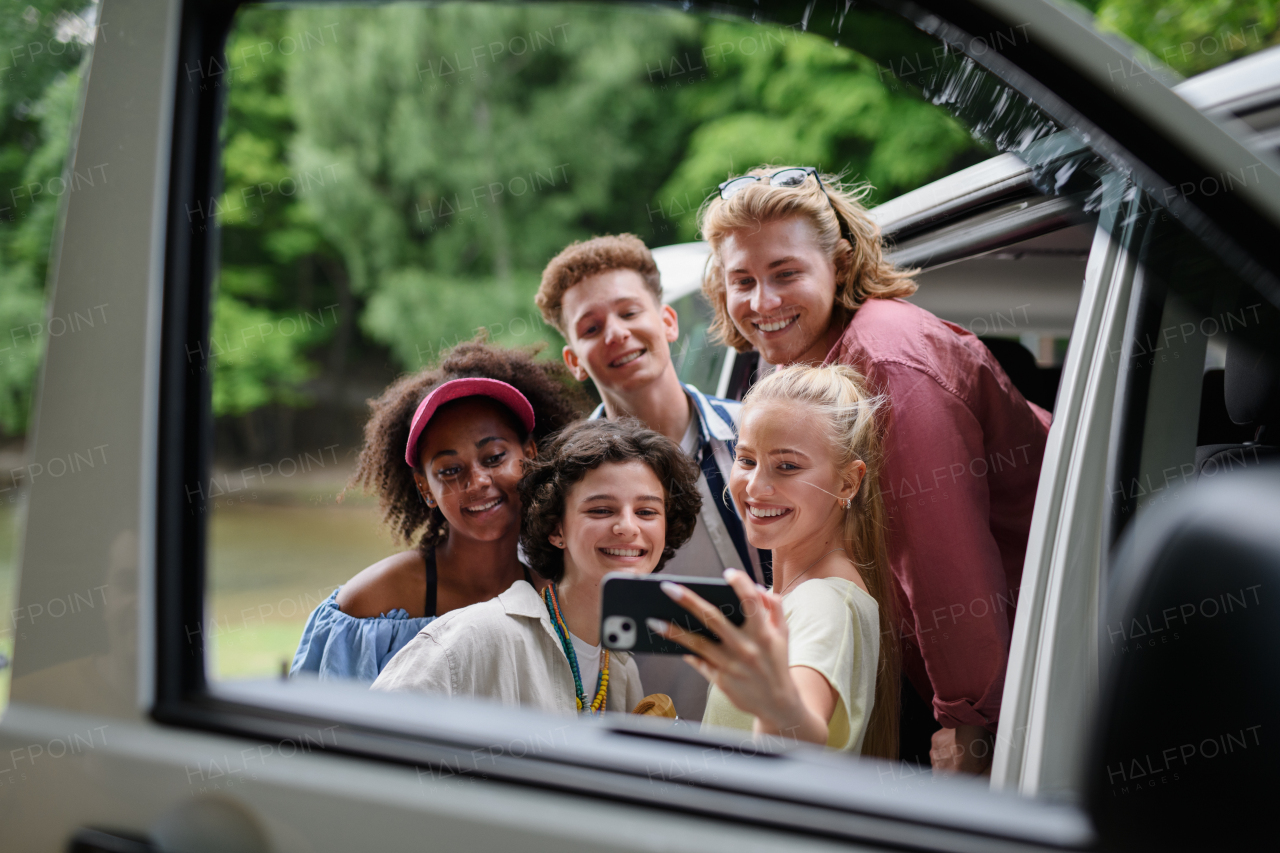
(606, 496)
(443, 450)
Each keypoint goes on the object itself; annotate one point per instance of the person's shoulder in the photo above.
(893, 335)
(827, 598)
(825, 619)
(484, 620)
(896, 330)
(718, 408)
(398, 582)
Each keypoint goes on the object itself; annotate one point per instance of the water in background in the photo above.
(271, 561)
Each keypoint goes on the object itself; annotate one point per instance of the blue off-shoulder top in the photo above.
(336, 645)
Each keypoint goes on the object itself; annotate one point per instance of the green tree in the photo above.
(1192, 36)
(470, 144)
(776, 95)
(281, 290)
(44, 45)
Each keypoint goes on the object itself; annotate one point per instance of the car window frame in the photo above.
(182, 695)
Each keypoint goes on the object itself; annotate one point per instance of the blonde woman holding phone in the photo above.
(810, 662)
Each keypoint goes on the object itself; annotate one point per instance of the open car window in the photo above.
(378, 183)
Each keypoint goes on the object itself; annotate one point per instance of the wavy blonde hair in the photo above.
(851, 416)
(862, 272)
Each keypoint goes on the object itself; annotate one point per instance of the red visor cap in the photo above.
(456, 389)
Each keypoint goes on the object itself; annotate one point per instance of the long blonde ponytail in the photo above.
(851, 415)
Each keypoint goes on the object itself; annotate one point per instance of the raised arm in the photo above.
(751, 664)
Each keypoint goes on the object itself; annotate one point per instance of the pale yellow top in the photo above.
(835, 629)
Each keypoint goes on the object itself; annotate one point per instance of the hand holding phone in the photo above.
(628, 600)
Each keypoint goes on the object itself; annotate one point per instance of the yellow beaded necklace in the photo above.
(551, 599)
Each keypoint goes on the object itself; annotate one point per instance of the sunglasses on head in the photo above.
(788, 178)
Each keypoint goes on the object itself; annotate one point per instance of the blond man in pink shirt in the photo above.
(797, 273)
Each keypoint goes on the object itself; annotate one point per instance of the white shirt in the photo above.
(588, 665)
(699, 556)
(505, 649)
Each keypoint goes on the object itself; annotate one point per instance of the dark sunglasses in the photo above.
(789, 178)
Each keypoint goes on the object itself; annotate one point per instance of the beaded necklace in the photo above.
(552, 600)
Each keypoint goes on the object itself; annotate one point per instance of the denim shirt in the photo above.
(336, 645)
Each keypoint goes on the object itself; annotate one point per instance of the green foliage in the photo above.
(408, 311)
(274, 260)
(43, 44)
(1192, 36)
(255, 354)
(469, 145)
(795, 99)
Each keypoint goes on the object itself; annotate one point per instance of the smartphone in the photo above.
(627, 600)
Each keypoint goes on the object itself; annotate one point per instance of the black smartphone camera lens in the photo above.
(613, 638)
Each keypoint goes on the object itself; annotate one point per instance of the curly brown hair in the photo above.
(556, 399)
(583, 259)
(587, 445)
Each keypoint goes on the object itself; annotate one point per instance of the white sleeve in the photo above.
(424, 665)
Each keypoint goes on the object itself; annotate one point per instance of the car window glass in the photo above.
(1200, 357)
(364, 234)
(395, 177)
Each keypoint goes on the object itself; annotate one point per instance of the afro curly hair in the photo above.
(557, 400)
(587, 445)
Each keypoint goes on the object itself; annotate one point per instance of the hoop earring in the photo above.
(848, 502)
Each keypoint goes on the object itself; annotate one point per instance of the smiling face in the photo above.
(618, 334)
(780, 290)
(473, 458)
(614, 521)
(785, 481)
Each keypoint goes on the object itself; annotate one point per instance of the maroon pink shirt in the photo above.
(962, 457)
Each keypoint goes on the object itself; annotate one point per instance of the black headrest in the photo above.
(1250, 385)
(1190, 704)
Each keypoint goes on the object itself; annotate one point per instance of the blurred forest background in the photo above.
(354, 191)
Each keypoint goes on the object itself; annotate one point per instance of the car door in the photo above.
(115, 724)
